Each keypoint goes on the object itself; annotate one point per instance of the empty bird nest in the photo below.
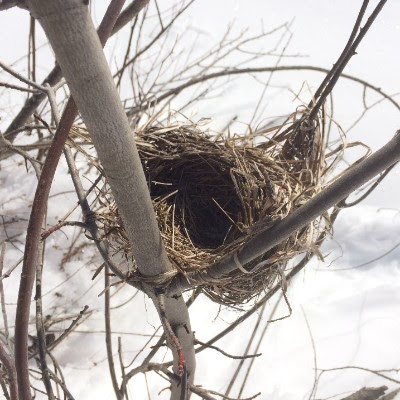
(212, 194)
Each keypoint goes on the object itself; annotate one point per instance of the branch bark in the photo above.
(80, 56)
(367, 393)
(55, 75)
(32, 242)
(6, 4)
(353, 178)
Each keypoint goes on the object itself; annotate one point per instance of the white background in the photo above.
(353, 313)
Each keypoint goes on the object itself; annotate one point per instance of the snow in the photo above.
(352, 309)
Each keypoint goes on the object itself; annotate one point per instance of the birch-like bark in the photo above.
(78, 51)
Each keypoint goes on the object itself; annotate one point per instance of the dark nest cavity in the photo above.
(213, 195)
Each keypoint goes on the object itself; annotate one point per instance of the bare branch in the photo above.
(8, 363)
(130, 12)
(107, 320)
(55, 75)
(95, 93)
(367, 393)
(244, 357)
(348, 52)
(353, 178)
(32, 246)
(379, 373)
(7, 4)
(21, 78)
(70, 329)
(240, 71)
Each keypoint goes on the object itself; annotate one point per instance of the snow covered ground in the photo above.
(345, 310)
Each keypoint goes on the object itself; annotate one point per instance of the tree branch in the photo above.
(33, 102)
(8, 363)
(367, 393)
(7, 4)
(241, 71)
(85, 68)
(353, 178)
(32, 246)
(128, 14)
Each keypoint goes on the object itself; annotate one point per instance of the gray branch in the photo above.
(367, 393)
(55, 75)
(355, 177)
(79, 53)
(6, 4)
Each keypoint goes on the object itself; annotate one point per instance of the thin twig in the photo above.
(349, 52)
(107, 320)
(8, 363)
(344, 52)
(244, 357)
(314, 387)
(249, 344)
(2, 297)
(21, 78)
(40, 332)
(56, 227)
(375, 372)
(123, 391)
(33, 233)
(16, 87)
(11, 269)
(267, 324)
(66, 391)
(69, 329)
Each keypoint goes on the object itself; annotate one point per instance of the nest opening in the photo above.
(205, 204)
(212, 196)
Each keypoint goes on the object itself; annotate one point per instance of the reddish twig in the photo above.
(34, 227)
(181, 368)
(108, 330)
(56, 227)
(32, 246)
(171, 334)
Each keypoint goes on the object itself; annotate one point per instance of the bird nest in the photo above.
(212, 195)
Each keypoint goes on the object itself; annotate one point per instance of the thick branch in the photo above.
(355, 177)
(85, 68)
(80, 55)
(6, 4)
(368, 393)
(55, 75)
(32, 244)
(128, 14)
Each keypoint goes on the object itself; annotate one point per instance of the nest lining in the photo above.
(212, 196)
